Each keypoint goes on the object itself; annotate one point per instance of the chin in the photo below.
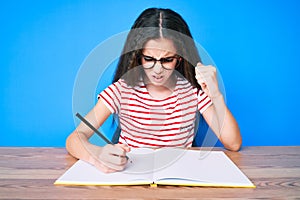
(161, 83)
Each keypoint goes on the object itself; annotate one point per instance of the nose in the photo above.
(157, 68)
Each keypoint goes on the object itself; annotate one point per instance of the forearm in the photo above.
(225, 125)
(77, 145)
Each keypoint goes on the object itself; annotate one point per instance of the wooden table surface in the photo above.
(29, 173)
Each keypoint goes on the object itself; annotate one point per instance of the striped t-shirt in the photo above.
(149, 122)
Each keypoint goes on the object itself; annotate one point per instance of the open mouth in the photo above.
(157, 78)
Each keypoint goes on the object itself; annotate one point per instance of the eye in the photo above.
(167, 60)
(148, 59)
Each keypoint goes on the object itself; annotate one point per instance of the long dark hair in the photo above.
(155, 23)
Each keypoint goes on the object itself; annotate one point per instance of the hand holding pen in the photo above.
(112, 156)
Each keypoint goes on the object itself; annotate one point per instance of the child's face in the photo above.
(159, 60)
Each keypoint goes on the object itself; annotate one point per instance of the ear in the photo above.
(179, 59)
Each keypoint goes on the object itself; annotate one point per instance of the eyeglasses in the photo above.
(168, 63)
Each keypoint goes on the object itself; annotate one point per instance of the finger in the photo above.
(202, 72)
(110, 149)
(113, 154)
(205, 70)
(113, 162)
(116, 160)
(206, 75)
(124, 147)
(201, 77)
(119, 149)
(117, 166)
(205, 67)
(199, 64)
(102, 167)
(203, 86)
(200, 68)
(108, 168)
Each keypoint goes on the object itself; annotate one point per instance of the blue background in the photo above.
(255, 45)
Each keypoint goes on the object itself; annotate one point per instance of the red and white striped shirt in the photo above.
(149, 122)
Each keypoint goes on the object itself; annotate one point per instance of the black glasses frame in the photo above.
(162, 61)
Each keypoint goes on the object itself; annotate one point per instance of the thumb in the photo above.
(203, 85)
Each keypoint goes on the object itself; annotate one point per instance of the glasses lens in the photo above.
(169, 62)
(149, 62)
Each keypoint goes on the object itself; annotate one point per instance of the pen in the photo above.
(95, 130)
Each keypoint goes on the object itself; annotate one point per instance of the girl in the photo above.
(159, 85)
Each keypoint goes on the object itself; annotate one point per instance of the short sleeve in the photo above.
(203, 101)
(111, 97)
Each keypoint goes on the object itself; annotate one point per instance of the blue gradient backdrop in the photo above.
(255, 45)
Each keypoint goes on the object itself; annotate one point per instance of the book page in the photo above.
(141, 161)
(138, 171)
(202, 168)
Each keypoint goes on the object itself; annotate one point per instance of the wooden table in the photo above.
(29, 173)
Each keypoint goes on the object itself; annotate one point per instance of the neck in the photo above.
(161, 91)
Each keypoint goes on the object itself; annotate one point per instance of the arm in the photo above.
(218, 116)
(223, 124)
(109, 158)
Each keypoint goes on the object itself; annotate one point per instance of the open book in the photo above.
(166, 166)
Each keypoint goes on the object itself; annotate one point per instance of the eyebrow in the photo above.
(164, 53)
(161, 57)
